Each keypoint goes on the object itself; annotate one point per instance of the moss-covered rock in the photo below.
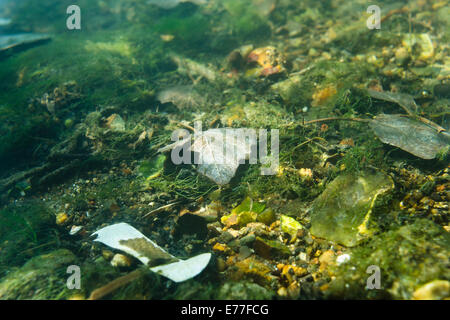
(25, 230)
(244, 291)
(270, 248)
(42, 277)
(409, 257)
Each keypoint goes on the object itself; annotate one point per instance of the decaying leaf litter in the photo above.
(363, 128)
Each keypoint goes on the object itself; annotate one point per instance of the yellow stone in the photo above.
(61, 218)
(434, 290)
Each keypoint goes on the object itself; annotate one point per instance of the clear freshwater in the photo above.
(262, 149)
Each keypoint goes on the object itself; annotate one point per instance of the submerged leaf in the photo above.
(409, 135)
(404, 100)
(181, 96)
(221, 151)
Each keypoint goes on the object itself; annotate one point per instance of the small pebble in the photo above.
(121, 261)
(61, 218)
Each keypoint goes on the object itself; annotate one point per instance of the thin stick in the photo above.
(186, 126)
(160, 209)
(335, 119)
(392, 12)
(115, 284)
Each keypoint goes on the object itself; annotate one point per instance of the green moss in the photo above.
(359, 158)
(183, 182)
(43, 277)
(408, 256)
(245, 21)
(243, 291)
(25, 230)
(188, 31)
(152, 168)
(271, 248)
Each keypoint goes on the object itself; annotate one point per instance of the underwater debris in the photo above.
(209, 212)
(219, 159)
(181, 96)
(115, 123)
(409, 135)
(343, 212)
(218, 152)
(423, 41)
(61, 97)
(121, 261)
(414, 134)
(404, 100)
(16, 41)
(99, 293)
(248, 211)
(322, 95)
(191, 69)
(269, 60)
(169, 4)
(122, 236)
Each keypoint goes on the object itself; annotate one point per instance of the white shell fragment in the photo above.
(75, 230)
(343, 258)
(126, 238)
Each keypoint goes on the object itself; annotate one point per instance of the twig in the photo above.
(334, 119)
(307, 141)
(115, 284)
(158, 210)
(186, 126)
(392, 12)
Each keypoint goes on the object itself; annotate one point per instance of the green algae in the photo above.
(270, 248)
(43, 277)
(120, 60)
(408, 256)
(290, 226)
(151, 169)
(248, 211)
(25, 230)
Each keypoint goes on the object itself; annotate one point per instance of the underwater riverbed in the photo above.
(224, 149)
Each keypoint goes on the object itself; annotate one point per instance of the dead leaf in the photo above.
(409, 135)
